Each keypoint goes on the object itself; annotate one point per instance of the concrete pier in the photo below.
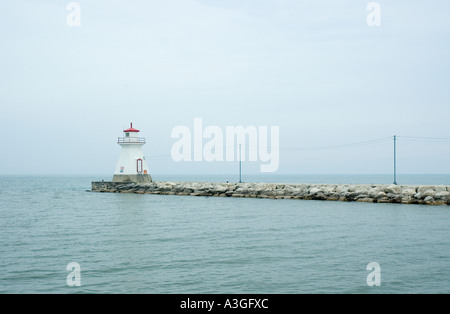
(372, 193)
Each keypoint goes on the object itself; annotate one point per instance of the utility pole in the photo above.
(395, 159)
(240, 165)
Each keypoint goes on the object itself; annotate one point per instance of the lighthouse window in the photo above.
(127, 134)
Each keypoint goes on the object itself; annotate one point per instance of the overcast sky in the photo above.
(314, 68)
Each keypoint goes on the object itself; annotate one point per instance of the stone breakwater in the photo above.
(372, 193)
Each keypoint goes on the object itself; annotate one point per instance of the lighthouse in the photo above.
(131, 166)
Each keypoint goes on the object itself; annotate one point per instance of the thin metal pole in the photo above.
(395, 159)
(240, 165)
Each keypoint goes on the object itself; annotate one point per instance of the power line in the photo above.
(423, 139)
(316, 148)
(375, 141)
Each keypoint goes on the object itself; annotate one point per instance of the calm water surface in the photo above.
(129, 243)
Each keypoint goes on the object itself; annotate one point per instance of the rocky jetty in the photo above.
(372, 193)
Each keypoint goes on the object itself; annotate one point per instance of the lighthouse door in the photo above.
(139, 166)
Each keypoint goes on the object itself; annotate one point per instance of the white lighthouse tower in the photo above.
(131, 166)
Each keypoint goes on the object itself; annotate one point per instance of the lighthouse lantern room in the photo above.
(131, 166)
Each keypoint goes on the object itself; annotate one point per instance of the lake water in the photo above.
(133, 243)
